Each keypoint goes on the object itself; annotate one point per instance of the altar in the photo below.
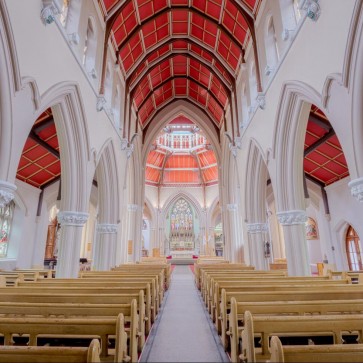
(182, 254)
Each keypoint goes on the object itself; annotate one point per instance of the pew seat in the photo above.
(15, 354)
(315, 353)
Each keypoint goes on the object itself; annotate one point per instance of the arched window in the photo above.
(181, 216)
(6, 218)
(90, 47)
(272, 52)
(354, 251)
(253, 83)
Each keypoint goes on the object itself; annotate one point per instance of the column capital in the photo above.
(68, 218)
(291, 217)
(49, 11)
(6, 192)
(356, 189)
(104, 228)
(257, 228)
(312, 9)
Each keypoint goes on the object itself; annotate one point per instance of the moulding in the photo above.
(69, 218)
(107, 228)
(356, 189)
(292, 217)
(7, 191)
(257, 228)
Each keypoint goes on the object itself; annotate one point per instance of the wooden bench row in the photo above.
(277, 299)
(120, 305)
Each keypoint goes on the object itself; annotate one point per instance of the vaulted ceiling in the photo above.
(172, 49)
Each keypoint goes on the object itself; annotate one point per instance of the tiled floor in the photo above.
(183, 331)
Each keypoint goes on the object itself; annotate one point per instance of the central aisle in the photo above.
(183, 331)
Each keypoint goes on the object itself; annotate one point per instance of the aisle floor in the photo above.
(183, 331)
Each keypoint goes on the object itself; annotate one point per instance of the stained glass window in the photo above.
(181, 216)
(6, 218)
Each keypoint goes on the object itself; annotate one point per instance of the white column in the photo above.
(356, 189)
(135, 217)
(293, 225)
(235, 245)
(257, 235)
(7, 192)
(70, 243)
(153, 240)
(105, 249)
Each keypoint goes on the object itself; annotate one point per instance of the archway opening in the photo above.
(181, 178)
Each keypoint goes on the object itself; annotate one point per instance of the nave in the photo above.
(212, 311)
(183, 331)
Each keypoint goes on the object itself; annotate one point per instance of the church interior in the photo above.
(181, 180)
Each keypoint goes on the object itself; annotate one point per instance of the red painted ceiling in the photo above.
(37, 165)
(326, 163)
(180, 164)
(170, 49)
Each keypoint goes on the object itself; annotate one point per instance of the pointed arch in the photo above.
(170, 112)
(108, 184)
(69, 116)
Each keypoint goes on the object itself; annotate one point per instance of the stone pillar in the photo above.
(235, 245)
(135, 230)
(7, 191)
(257, 235)
(153, 240)
(293, 225)
(70, 243)
(105, 248)
(356, 189)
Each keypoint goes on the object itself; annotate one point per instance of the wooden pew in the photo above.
(79, 295)
(200, 268)
(266, 326)
(314, 353)
(119, 275)
(8, 278)
(320, 307)
(207, 277)
(147, 268)
(235, 281)
(57, 327)
(81, 310)
(260, 284)
(89, 286)
(40, 272)
(347, 292)
(15, 354)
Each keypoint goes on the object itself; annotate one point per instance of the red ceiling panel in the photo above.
(326, 162)
(37, 165)
(141, 27)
